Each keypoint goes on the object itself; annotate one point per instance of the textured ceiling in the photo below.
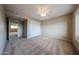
(32, 10)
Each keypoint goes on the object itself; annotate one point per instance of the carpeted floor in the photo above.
(40, 45)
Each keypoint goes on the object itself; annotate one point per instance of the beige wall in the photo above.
(59, 27)
(76, 43)
(2, 30)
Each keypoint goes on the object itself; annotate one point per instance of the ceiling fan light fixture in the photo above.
(43, 12)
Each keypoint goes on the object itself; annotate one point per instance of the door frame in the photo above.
(7, 27)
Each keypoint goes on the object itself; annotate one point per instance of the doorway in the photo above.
(13, 29)
(16, 28)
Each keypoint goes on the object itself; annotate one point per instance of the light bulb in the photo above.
(12, 27)
(43, 14)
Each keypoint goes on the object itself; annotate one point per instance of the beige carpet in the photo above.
(40, 45)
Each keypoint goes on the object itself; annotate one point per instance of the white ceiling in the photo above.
(32, 10)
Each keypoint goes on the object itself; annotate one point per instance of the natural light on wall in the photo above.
(14, 27)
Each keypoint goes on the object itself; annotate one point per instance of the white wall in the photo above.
(2, 29)
(20, 29)
(34, 28)
(77, 25)
(12, 33)
(58, 27)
